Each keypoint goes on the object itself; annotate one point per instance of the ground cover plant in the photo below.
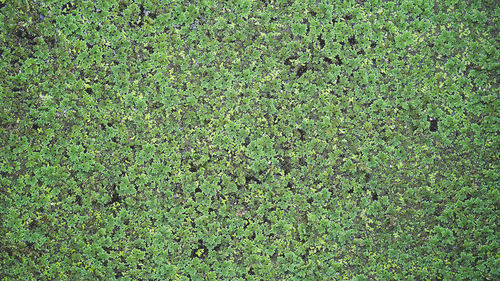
(249, 140)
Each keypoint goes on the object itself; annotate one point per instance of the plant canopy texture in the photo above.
(249, 140)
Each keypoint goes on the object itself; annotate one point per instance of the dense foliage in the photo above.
(249, 140)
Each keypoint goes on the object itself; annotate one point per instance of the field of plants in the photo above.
(249, 140)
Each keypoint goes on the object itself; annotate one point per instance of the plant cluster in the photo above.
(249, 140)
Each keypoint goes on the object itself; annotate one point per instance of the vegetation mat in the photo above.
(249, 140)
